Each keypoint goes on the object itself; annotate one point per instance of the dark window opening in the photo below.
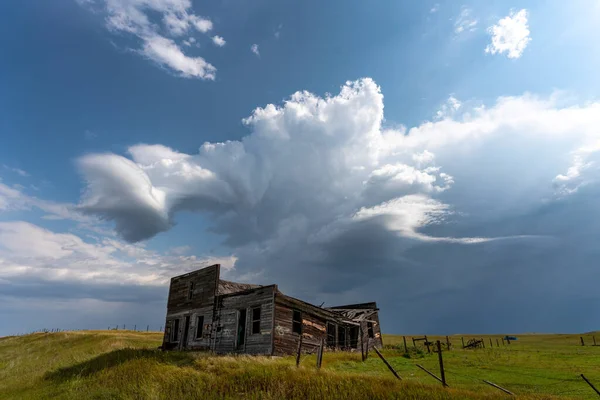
(256, 320)
(297, 322)
(175, 336)
(241, 332)
(342, 337)
(186, 331)
(191, 291)
(330, 334)
(354, 337)
(370, 330)
(199, 326)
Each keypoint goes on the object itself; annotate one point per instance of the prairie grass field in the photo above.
(128, 365)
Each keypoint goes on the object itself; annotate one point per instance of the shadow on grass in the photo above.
(115, 358)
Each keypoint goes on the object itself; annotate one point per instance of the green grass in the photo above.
(127, 365)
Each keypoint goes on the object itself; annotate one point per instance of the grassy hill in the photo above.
(126, 365)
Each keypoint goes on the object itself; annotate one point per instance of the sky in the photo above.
(440, 158)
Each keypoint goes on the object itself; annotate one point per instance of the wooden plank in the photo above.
(387, 363)
(498, 387)
(430, 373)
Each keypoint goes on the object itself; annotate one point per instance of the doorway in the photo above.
(186, 329)
(241, 331)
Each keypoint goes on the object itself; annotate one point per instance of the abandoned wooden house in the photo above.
(207, 313)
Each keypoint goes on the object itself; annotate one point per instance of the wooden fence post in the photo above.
(594, 338)
(590, 383)
(442, 373)
(448, 342)
(160, 329)
(462, 339)
(387, 363)
(362, 343)
(320, 355)
(507, 340)
(405, 348)
(491, 344)
(497, 343)
(135, 328)
(483, 343)
(367, 348)
(582, 343)
(427, 344)
(299, 349)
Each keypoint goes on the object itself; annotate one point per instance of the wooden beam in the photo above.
(590, 383)
(498, 387)
(387, 363)
(430, 373)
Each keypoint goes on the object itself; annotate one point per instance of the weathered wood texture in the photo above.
(215, 310)
(205, 283)
(191, 294)
(227, 320)
(314, 329)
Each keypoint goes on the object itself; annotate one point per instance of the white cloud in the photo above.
(465, 22)
(165, 52)
(510, 35)
(65, 257)
(313, 162)
(17, 171)
(254, 49)
(448, 109)
(133, 16)
(435, 8)
(218, 40)
(12, 199)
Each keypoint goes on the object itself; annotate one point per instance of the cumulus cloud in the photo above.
(177, 17)
(321, 185)
(510, 35)
(254, 49)
(218, 41)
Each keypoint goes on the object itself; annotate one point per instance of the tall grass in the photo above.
(127, 365)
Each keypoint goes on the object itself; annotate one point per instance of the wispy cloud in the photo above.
(254, 49)
(17, 171)
(465, 22)
(177, 17)
(510, 35)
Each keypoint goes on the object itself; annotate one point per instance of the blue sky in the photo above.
(426, 155)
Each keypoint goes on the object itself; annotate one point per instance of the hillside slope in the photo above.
(126, 365)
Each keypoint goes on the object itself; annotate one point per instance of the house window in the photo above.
(370, 329)
(175, 335)
(256, 320)
(191, 291)
(199, 326)
(330, 334)
(297, 322)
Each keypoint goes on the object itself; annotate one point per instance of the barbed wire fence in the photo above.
(118, 327)
(586, 389)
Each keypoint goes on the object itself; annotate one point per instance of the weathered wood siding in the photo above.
(227, 315)
(314, 326)
(377, 340)
(179, 305)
